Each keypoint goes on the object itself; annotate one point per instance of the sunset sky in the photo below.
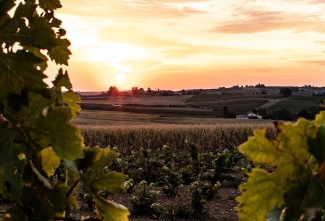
(176, 44)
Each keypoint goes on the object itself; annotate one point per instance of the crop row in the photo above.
(205, 137)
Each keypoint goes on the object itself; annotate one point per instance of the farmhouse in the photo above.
(249, 116)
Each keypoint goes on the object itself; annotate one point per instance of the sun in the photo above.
(120, 77)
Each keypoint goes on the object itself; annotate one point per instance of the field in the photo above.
(148, 100)
(295, 104)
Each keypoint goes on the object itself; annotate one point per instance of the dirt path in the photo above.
(271, 103)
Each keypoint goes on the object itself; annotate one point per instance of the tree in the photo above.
(304, 113)
(113, 91)
(225, 111)
(135, 91)
(263, 92)
(149, 90)
(141, 92)
(36, 134)
(183, 92)
(282, 114)
(285, 92)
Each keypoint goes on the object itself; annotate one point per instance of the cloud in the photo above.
(135, 11)
(316, 2)
(259, 21)
(312, 62)
(320, 42)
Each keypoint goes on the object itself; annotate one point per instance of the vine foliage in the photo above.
(296, 190)
(35, 132)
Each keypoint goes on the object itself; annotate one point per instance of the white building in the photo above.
(249, 116)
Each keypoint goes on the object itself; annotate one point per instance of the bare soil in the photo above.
(221, 207)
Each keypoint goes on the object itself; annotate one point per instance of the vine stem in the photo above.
(2, 118)
(74, 185)
(55, 172)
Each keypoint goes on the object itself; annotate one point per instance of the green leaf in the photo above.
(37, 52)
(70, 200)
(49, 161)
(289, 154)
(317, 145)
(111, 211)
(60, 54)
(18, 72)
(93, 165)
(14, 214)
(70, 98)
(54, 128)
(50, 4)
(11, 167)
(44, 202)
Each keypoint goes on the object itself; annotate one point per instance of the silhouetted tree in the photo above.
(113, 91)
(304, 113)
(141, 92)
(282, 114)
(263, 92)
(183, 91)
(225, 111)
(285, 91)
(135, 91)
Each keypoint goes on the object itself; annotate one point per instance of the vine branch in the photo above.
(74, 185)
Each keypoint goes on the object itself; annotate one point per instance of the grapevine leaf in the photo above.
(14, 213)
(289, 154)
(111, 211)
(317, 145)
(72, 173)
(274, 214)
(56, 23)
(6, 6)
(70, 200)
(70, 98)
(55, 129)
(93, 165)
(44, 202)
(36, 51)
(60, 54)
(11, 167)
(320, 118)
(62, 80)
(50, 4)
(17, 72)
(49, 160)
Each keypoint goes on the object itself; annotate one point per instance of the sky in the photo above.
(192, 44)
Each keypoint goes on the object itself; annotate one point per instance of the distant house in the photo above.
(249, 116)
(241, 116)
(253, 115)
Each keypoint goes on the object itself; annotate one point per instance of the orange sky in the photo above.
(176, 44)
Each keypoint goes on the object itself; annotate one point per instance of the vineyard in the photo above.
(51, 168)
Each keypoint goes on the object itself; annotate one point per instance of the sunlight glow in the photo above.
(120, 77)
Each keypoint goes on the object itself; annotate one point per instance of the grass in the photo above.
(237, 106)
(95, 118)
(295, 104)
(218, 97)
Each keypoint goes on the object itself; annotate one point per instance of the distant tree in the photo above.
(285, 91)
(231, 114)
(262, 111)
(263, 92)
(282, 114)
(141, 92)
(254, 111)
(135, 91)
(305, 114)
(149, 89)
(294, 89)
(225, 111)
(113, 91)
(189, 92)
(260, 85)
(183, 92)
(313, 94)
